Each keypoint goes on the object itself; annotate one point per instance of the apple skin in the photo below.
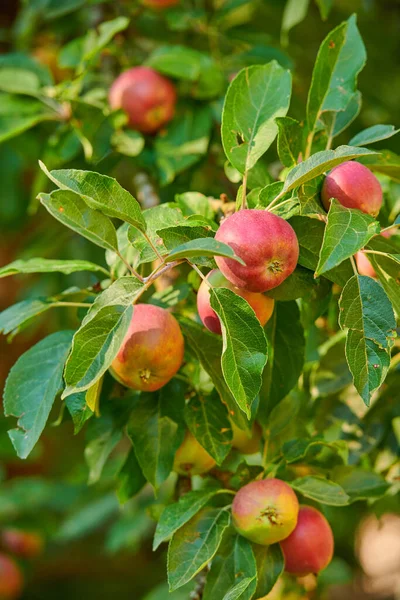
(160, 3)
(262, 305)
(265, 242)
(147, 97)
(191, 458)
(26, 544)
(354, 186)
(364, 267)
(11, 580)
(244, 442)
(152, 350)
(309, 548)
(265, 512)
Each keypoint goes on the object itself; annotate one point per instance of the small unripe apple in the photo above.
(265, 511)
(147, 97)
(246, 442)
(160, 3)
(309, 548)
(354, 186)
(265, 242)
(26, 544)
(191, 458)
(11, 579)
(262, 305)
(152, 350)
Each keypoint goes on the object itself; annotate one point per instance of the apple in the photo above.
(159, 4)
(191, 458)
(265, 512)
(246, 442)
(309, 548)
(152, 350)
(262, 305)
(147, 97)
(354, 186)
(26, 544)
(11, 580)
(265, 242)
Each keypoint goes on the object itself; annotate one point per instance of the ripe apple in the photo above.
(364, 267)
(191, 458)
(26, 544)
(265, 242)
(11, 580)
(354, 186)
(262, 305)
(309, 548)
(265, 511)
(152, 350)
(147, 97)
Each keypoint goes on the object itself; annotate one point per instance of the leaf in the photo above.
(208, 349)
(179, 235)
(319, 163)
(176, 515)
(48, 265)
(367, 313)
(72, 211)
(19, 81)
(347, 231)
(296, 449)
(100, 192)
(238, 591)
(207, 419)
(79, 410)
(360, 484)
(321, 490)
(386, 162)
(98, 451)
(203, 247)
(325, 7)
(245, 571)
(290, 138)
(244, 352)
(30, 391)
(92, 396)
(13, 318)
(294, 13)
(130, 478)
(388, 272)
(285, 365)
(340, 59)
(194, 545)
(373, 134)
(256, 96)
(299, 284)
(154, 438)
(95, 42)
(17, 114)
(270, 565)
(128, 143)
(92, 516)
(310, 197)
(97, 341)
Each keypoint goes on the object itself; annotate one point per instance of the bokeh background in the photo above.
(92, 548)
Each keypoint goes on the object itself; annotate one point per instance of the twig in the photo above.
(275, 200)
(128, 266)
(353, 264)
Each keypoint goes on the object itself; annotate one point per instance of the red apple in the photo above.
(262, 305)
(11, 580)
(265, 511)
(309, 548)
(26, 544)
(354, 186)
(364, 267)
(152, 350)
(265, 242)
(147, 97)
(160, 3)
(191, 458)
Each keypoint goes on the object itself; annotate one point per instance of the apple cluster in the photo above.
(23, 545)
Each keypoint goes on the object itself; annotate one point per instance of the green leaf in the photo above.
(290, 139)
(98, 451)
(310, 197)
(128, 143)
(176, 515)
(73, 212)
(366, 312)
(373, 134)
(386, 162)
(179, 235)
(207, 419)
(208, 349)
(310, 233)
(325, 7)
(48, 265)
(241, 589)
(79, 410)
(319, 163)
(340, 59)
(100, 192)
(270, 565)
(19, 81)
(388, 272)
(30, 391)
(285, 366)
(17, 114)
(360, 484)
(294, 13)
(299, 284)
(244, 352)
(203, 247)
(97, 40)
(92, 516)
(154, 437)
(256, 96)
(244, 571)
(14, 317)
(296, 449)
(130, 478)
(97, 341)
(347, 231)
(195, 544)
(321, 490)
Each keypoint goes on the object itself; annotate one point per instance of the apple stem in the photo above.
(389, 227)
(275, 200)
